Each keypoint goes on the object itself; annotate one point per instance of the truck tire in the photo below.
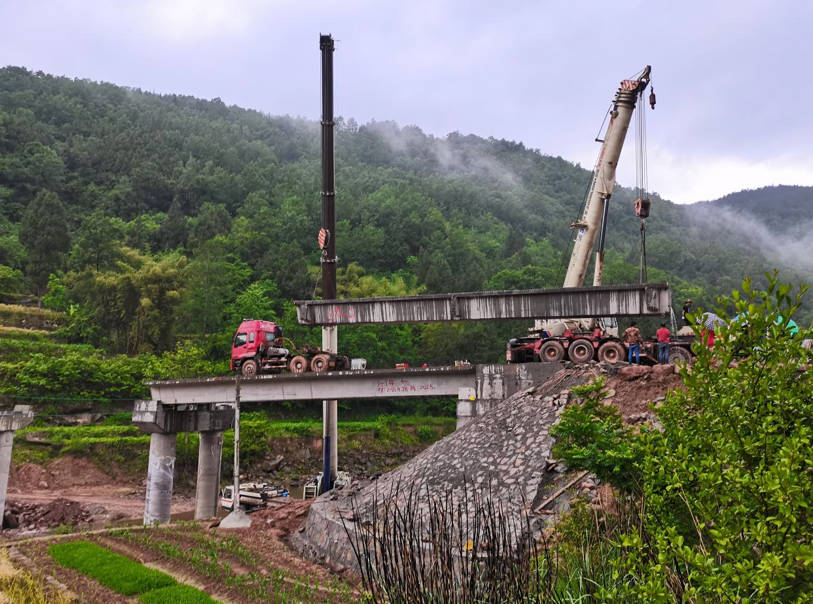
(580, 351)
(298, 365)
(611, 352)
(551, 351)
(249, 368)
(320, 363)
(679, 355)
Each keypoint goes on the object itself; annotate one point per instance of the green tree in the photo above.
(725, 482)
(133, 304)
(174, 231)
(212, 280)
(212, 220)
(97, 242)
(44, 234)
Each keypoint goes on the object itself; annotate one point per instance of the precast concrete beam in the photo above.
(20, 417)
(160, 477)
(155, 417)
(564, 303)
(207, 489)
(370, 383)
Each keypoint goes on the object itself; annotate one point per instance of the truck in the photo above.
(259, 347)
(581, 340)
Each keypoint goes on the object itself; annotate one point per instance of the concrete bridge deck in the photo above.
(368, 383)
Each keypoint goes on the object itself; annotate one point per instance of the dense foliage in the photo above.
(162, 218)
(723, 485)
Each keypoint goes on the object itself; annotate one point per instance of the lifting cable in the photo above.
(641, 176)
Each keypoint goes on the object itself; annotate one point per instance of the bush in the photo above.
(112, 570)
(726, 482)
(426, 433)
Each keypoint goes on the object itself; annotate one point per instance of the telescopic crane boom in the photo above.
(593, 221)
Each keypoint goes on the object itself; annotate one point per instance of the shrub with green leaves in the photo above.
(725, 485)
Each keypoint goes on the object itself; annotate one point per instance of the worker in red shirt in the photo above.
(662, 336)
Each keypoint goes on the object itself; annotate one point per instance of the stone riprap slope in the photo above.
(504, 454)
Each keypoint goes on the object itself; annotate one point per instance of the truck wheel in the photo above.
(249, 368)
(611, 352)
(551, 351)
(320, 363)
(298, 364)
(679, 355)
(580, 351)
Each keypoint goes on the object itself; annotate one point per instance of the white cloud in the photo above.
(185, 20)
(703, 178)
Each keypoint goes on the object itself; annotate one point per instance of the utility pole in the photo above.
(236, 497)
(328, 259)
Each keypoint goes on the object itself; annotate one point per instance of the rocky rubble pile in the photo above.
(36, 516)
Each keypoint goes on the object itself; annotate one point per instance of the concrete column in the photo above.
(207, 490)
(160, 471)
(6, 440)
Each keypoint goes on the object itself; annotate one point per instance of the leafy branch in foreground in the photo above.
(725, 485)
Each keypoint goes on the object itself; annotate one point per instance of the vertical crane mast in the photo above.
(593, 221)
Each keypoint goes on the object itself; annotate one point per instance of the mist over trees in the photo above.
(166, 217)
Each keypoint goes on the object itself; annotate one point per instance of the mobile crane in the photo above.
(577, 339)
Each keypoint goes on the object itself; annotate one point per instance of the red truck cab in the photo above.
(257, 347)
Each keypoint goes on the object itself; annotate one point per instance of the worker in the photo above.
(632, 336)
(686, 310)
(662, 335)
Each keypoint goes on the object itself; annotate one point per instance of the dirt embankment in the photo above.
(634, 388)
(72, 491)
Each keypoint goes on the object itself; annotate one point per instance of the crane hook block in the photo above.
(642, 207)
(652, 98)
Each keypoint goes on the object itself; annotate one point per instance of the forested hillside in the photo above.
(153, 218)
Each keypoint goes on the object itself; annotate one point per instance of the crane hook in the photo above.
(652, 98)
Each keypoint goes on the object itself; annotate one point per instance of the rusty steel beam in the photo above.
(565, 303)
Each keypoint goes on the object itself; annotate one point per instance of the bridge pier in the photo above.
(163, 422)
(160, 477)
(10, 421)
(208, 485)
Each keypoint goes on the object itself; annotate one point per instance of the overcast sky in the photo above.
(733, 79)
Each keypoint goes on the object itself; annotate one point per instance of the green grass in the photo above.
(177, 594)
(112, 570)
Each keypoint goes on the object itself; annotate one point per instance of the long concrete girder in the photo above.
(370, 383)
(564, 303)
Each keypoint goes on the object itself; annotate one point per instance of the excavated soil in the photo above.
(634, 389)
(64, 472)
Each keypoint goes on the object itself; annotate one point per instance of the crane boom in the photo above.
(593, 218)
